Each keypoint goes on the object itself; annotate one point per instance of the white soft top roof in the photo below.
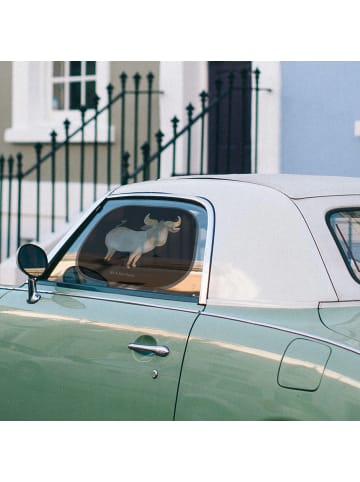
(298, 186)
(295, 186)
(270, 230)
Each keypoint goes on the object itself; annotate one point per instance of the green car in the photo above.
(230, 297)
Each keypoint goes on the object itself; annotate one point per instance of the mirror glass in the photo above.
(32, 260)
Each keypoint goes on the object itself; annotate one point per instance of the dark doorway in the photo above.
(230, 119)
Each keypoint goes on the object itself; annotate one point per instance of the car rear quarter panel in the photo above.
(250, 370)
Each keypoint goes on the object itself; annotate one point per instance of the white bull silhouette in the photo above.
(154, 233)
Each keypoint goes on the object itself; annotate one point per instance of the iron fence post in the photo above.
(110, 89)
(137, 79)
(150, 78)
(10, 178)
(257, 77)
(146, 154)
(245, 142)
(190, 110)
(96, 101)
(228, 145)
(53, 179)
(38, 147)
(19, 158)
(218, 84)
(203, 97)
(125, 168)
(82, 157)
(159, 136)
(175, 122)
(123, 78)
(67, 125)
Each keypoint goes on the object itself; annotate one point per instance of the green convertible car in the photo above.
(197, 298)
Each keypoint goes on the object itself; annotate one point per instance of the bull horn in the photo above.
(148, 221)
(174, 224)
(178, 222)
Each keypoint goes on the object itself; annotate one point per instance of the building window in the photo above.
(73, 85)
(44, 94)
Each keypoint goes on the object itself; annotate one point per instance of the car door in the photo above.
(106, 340)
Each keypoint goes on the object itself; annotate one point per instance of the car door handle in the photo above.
(158, 350)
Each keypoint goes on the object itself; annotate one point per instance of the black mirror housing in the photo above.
(32, 260)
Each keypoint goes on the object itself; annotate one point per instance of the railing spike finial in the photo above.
(159, 135)
(145, 148)
(82, 110)
(245, 75)
(203, 96)
(123, 78)
(38, 147)
(137, 78)
(175, 121)
(96, 101)
(67, 127)
(53, 135)
(190, 109)
(150, 77)
(19, 158)
(109, 89)
(10, 164)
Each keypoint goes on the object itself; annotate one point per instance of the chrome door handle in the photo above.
(155, 349)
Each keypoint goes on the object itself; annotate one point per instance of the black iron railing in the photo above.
(224, 93)
(58, 158)
(144, 161)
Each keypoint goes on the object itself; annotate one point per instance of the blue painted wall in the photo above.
(319, 106)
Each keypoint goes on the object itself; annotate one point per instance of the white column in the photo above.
(181, 83)
(269, 120)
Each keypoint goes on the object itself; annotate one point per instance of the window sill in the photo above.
(26, 135)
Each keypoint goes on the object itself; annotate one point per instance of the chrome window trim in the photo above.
(205, 203)
(115, 300)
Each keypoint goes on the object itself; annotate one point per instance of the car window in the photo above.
(155, 245)
(345, 227)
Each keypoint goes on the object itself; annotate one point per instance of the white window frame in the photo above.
(66, 80)
(33, 118)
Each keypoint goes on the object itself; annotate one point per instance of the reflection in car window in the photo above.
(345, 227)
(136, 244)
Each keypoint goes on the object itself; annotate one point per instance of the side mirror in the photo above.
(32, 261)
